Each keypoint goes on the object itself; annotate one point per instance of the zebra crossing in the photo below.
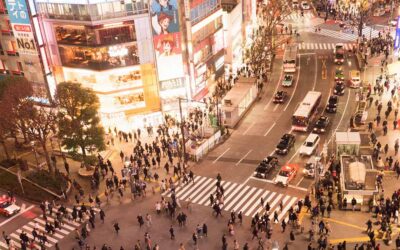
(237, 197)
(367, 31)
(297, 16)
(67, 227)
(322, 46)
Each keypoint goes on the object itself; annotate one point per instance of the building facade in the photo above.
(106, 46)
(22, 47)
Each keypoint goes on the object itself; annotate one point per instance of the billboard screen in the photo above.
(167, 39)
(21, 26)
(397, 36)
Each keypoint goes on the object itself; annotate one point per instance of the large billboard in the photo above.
(397, 36)
(21, 26)
(167, 39)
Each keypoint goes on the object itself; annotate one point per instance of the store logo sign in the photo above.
(171, 84)
(18, 11)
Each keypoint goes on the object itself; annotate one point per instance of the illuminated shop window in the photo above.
(101, 58)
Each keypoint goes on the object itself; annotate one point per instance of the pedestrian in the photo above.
(148, 220)
(102, 215)
(171, 232)
(194, 238)
(205, 230)
(386, 148)
(292, 238)
(140, 220)
(116, 227)
(283, 224)
(395, 124)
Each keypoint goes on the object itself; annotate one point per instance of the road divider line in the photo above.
(298, 183)
(299, 188)
(221, 155)
(243, 157)
(316, 72)
(276, 88)
(269, 130)
(341, 118)
(295, 86)
(276, 107)
(247, 130)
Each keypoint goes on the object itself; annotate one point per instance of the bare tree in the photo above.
(40, 124)
(265, 39)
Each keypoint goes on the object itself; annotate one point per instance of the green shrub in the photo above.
(43, 178)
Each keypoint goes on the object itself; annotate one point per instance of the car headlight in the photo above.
(323, 130)
(285, 150)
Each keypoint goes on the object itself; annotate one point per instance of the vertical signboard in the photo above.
(21, 26)
(167, 39)
(397, 36)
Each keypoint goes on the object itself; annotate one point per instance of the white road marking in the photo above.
(221, 155)
(237, 163)
(247, 130)
(264, 196)
(276, 107)
(295, 86)
(287, 207)
(269, 130)
(316, 72)
(15, 216)
(341, 118)
(298, 183)
(299, 188)
(245, 182)
(276, 88)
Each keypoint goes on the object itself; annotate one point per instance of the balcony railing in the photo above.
(97, 17)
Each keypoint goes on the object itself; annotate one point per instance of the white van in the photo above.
(355, 79)
(310, 145)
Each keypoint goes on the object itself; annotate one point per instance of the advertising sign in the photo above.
(397, 36)
(171, 84)
(22, 29)
(167, 39)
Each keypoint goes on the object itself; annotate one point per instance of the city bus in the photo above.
(305, 111)
(290, 58)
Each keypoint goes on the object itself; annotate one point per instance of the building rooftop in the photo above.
(358, 174)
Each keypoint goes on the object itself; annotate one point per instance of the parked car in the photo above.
(286, 174)
(266, 166)
(287, 80)
(393, 22)
(310, 168)
(339, 88)
(280, 96)
(285, 144)
(305, 5)
(321, 125)
(310, 145)
(8, 207)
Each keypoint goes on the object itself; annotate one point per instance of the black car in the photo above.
(321, 125)
(266, 166)
(332, 104)
(280, 97)
(284, 145)
(339, 88)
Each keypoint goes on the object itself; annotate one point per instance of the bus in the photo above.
(290, 58)
(305, 111)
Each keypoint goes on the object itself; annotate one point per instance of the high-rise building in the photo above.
(22, 48)
(106, 46)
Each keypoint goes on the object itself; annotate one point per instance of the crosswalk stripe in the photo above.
(287, 207)
(16, 240)
(30, 236)
(253, 199)
(267, 200)
(231, 193)
(243, 191)
(57, 229)
(70, 222)
(197, 190)
(277, 207)
(190, 187)
(244, 199)
(177, 189)
(64, 225)
(44, 230)
(273, 207)
(3, 245)
(208, 190)
(205, 198)
(256, 203)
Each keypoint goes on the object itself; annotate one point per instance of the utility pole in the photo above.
(182, 130)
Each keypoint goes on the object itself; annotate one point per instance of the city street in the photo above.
(235, 160)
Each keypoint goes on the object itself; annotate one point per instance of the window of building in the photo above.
(202, 10)
(19, 66)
